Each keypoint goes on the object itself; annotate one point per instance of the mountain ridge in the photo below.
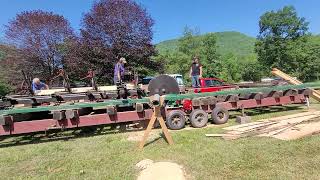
(227, 42)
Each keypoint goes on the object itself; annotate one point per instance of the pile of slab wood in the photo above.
(285, 127)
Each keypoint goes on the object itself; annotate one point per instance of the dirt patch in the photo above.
(161, 171)
(137, 136)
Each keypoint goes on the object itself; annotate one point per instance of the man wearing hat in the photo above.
(119, 70)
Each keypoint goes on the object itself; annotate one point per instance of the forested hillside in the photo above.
(227, 42)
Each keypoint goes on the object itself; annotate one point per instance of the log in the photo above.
(212, 100)
(256, 96)
(221, 98)
(232, 98)
(275, 94)
(290, 92)
(196, 102)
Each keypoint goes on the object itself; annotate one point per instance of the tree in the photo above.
(229, 69)
(10, 63)
(189, 43)
(281, 41)
(39, 35)
(114, 29)
(212, 64)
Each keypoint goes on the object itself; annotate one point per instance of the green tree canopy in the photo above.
(283, 42)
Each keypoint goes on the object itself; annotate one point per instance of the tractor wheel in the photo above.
(220, 115)
(198, 118)
(175, 120)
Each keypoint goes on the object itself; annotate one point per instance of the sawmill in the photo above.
(125, 103)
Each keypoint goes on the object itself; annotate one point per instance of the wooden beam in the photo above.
(315, 94)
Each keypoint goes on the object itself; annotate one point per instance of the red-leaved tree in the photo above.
(40, 37)
(114, 29)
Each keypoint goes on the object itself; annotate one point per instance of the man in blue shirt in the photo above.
(119, 70)
(38, 85)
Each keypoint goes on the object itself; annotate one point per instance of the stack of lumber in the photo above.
(286, 127)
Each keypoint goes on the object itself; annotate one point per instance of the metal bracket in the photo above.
(139, 107)
(72, 114)
(6, 120)
(111, 110)
(59, 115)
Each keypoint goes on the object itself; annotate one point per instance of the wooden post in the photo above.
(156, 116)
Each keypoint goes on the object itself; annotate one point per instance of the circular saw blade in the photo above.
(163, 84)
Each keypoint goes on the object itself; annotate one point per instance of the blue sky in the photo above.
(171, 16)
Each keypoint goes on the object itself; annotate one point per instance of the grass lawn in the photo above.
(104, 154)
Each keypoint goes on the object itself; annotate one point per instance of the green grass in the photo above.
(104, 154)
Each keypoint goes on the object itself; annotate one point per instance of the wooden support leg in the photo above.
(165, 130)
(156, 116)
(147, 131)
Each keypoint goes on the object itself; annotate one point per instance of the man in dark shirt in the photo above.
(195, 72)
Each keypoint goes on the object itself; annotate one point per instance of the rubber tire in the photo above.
(173, 114)
(194, 122)
(216, 119)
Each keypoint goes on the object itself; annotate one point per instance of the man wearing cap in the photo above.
(119, 70)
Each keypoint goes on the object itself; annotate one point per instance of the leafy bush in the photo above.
(4, 89)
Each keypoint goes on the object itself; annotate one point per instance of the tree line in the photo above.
(41, 43)
(283, 42)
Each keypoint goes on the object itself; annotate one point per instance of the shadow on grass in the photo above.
(268, 110)
(155, 140)
(275, 109)
(58, 135)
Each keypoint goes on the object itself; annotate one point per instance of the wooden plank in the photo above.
(272, 119)
(257, 126)
(282, 125)
(242, 125)
(220, 135)
(270, 129)
(48, 92)
(80, 90)
(300, 131)
(294, 116)
(315, 94)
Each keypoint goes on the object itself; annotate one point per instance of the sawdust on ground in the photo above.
(160, 171)
(137, 136)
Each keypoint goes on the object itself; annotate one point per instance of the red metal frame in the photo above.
(252, 103)
(101, 119)
(87, 120)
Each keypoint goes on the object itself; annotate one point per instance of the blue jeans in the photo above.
(195, 81)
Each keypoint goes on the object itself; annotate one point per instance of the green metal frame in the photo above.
(171, 98)
(124, 102)
(175, 97)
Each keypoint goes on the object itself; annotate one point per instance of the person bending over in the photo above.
(38, 85)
